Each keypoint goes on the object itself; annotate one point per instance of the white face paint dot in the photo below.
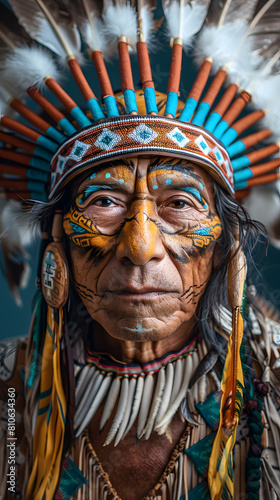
(107, 175)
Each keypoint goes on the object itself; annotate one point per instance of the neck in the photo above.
(131, 351)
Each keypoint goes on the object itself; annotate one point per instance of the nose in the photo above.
(140, 237)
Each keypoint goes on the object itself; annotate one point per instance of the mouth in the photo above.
(132, 293)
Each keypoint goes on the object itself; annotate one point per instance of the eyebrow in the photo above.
(178, 166)
(93, 189)
(111, 184)
(196, 193)
(196, 190)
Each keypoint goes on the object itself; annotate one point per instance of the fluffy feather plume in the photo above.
(220, 43)
(145, 10)
(226, 27)
(120, 20)
(93, 34)
(185, 19)
(234, 34)
(16, 234)
(87, 14)
(56, 30)
(27, 66)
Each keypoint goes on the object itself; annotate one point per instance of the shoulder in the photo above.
(12, 365)
(8, 356)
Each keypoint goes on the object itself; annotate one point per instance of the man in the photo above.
(138, 378)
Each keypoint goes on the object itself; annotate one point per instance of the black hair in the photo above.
(232, 215)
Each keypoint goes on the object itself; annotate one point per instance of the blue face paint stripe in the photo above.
(196, 194)
(94, 189)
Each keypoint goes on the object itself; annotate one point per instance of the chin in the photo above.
(139, 329)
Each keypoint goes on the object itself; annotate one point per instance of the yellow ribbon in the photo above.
(50, 427)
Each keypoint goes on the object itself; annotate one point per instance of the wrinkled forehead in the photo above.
(156, 172)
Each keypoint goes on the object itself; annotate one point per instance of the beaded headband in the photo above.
(125, 136)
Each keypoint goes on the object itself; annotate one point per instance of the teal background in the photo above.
(14, 320)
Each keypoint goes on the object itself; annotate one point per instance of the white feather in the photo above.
(47, 38)
(120, 21)
(119, 413)
(28, 66)
(265, 96)
(178, 377)
(192, 20)
(136, 403)
(148, 24)
(188, 369)
(131, 390)
(102, 391)
(15, 225)
(145, 403)
(202, 386)
(155, 404)
(222, 44)
(87, 399)
(95, 39)
(110, 402)
(167, 392)
(84, 378)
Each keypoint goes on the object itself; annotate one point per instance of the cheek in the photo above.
(195, 276)
(85, 277)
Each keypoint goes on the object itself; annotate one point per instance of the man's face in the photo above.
(141, 234)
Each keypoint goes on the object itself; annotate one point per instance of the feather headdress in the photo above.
(213, 129)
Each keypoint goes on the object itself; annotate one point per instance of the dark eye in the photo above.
(179, 204)
(104, 202)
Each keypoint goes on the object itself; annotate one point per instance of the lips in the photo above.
(138, 291)
(134, 293)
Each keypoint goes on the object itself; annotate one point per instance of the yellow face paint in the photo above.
(116, 206)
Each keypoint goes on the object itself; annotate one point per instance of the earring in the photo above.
(235, 287)
(55, 271)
